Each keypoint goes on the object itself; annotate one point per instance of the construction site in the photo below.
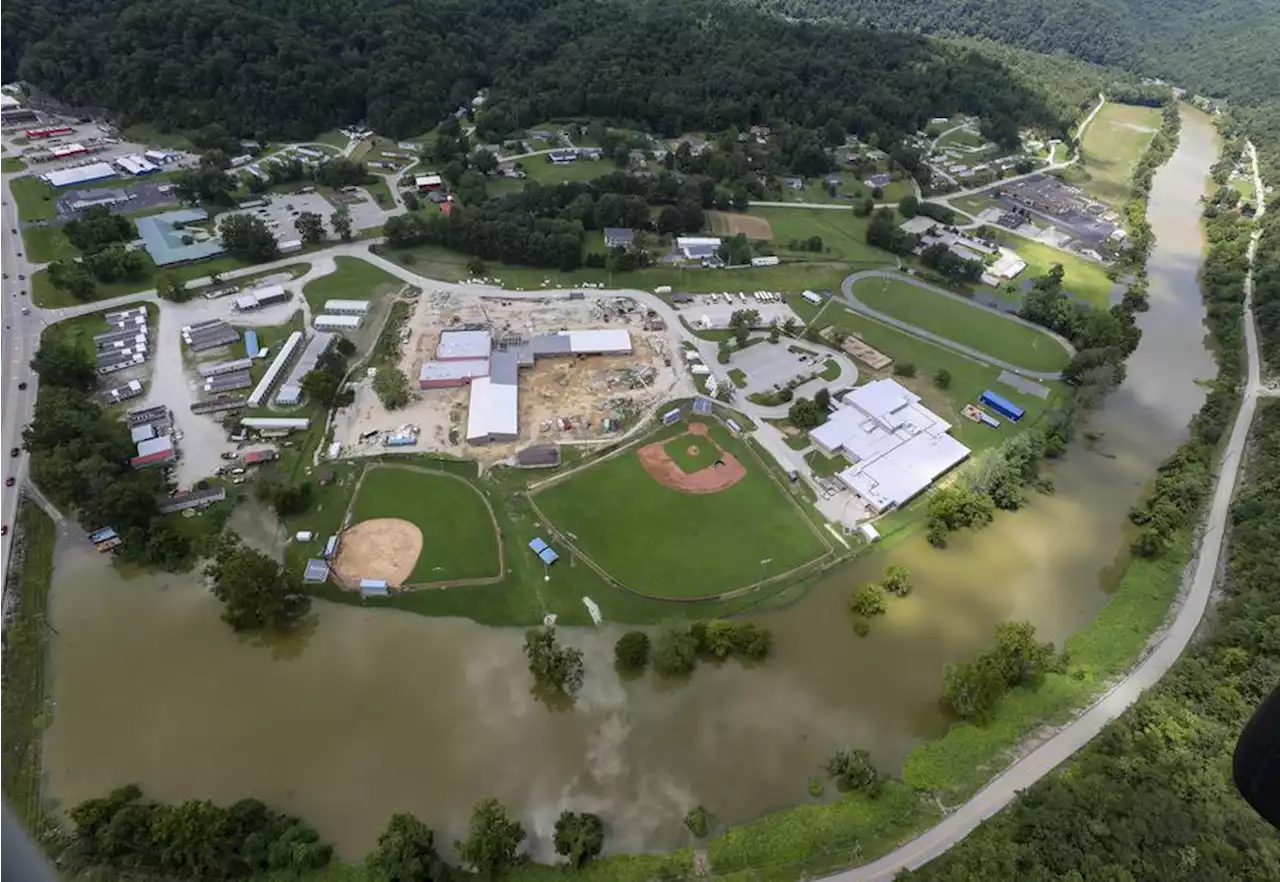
(575, 397)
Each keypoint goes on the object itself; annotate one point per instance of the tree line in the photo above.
(261, 69)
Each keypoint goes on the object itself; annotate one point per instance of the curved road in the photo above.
(1045, 758)
(883, 318)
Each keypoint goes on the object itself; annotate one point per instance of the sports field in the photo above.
(691, 454)
(1113, 144)
(667, 543)
(458, 536)
(964, 323)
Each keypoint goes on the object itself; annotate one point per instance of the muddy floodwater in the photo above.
(371, 712)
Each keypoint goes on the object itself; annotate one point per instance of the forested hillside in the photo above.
(292, 67)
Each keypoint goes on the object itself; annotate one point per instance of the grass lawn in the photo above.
(830, 370)
(44, 294)
(1084, 278)
(974, 205)
(844, 236)
(968, 378)
(269, 337)
(896, 191)
(11, 164)
(825, 465)
(381, 193)
(969, 324)
(544, 171)
(334, 139)
(355, 279)
(691, 453)
(739, 377)
(34, 198)
(25, 640)
(458, 538)
(961, 138)
(1113, 144)
(666, 543)
(47, 244)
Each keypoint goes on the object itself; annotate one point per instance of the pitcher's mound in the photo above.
(383, 548)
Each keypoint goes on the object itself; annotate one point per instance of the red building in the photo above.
(50, 132)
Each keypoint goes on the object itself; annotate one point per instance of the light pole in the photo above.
(763, 563)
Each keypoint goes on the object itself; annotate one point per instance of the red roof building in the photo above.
(152, 459)
(258, 456)
(50, 132)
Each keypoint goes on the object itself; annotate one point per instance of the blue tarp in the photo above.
(251, 348)
(543, 550)
(1001, 405)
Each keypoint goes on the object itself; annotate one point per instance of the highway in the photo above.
(1044, 759)
(21, 337)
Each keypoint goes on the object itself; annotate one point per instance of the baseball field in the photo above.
(412, 526)
(688, 512)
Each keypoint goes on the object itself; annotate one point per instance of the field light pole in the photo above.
(767, 560)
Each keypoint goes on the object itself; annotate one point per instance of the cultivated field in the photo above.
(668, 543)
(964, 323)
(727, 223)
(459, 539)
(1113, 144)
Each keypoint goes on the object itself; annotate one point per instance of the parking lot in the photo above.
(365, 211)
(131, 195)
(1064, 207)
(717, 315)
(282, 211)
(772, 365)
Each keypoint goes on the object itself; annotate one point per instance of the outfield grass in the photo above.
(1113, 144)
(1084, 278)
(354, 279)
(968, 378)
(458, 538)
(703, 456)
(622, 517)
(968, 324)
(34, 198)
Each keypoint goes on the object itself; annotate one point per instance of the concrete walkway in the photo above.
(883, 318)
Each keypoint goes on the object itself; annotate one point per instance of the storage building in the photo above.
(447, 374)
(277, 366)
(346, 307)
(1001, 405)
(330, 322)
(271, 423)
(83, 174)
(137, 165)
(493, 412)
(464, 344)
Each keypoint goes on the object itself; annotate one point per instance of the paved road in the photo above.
(1045, 758)
(21, 337)
(855, 303)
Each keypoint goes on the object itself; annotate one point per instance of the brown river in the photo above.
(374, 712)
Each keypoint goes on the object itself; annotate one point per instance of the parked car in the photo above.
(15, 451)
(8, 482)
(22, 385)
(4, 530)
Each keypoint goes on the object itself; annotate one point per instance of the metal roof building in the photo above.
(165, 243)
(224, 367)
(493, 412)
(329, 322)
(446, 374)
(276, 422)
(283, 354)
(342, 307)
(83, 174)
(137, 165)
(464, 344)
(291, 392)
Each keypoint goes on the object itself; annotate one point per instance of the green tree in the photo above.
(494, 842)
(476, 268)
(904, 369)
(972, 689)
(942, 379)
(853, 771)
(321, 387)
(74, 277)
(60, 362)
(247, 237)
(168, 287)
(392, 387)
(632, 651)
(751, 641)
(897, 580)
(698, 821)
(257, 593)
(718, 638)
(822, 399)
(868, 600)
(676, 652)
(805, 414)
(909, 207)
(557, 670)
(579, 837)
(774, 331)
(1019, 659)
(310, 227)
(407, 853)
(340, 221)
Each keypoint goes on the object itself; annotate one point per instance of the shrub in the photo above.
(632, 651)
(869, 600)
(905, 369)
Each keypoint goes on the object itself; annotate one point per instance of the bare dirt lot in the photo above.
(382, 548)
(730, 224)
(561, 399)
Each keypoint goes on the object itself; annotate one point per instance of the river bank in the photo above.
(406, 700)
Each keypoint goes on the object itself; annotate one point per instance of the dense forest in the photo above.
(288, 68)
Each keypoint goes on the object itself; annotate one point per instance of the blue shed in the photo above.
(543, 551)
(251, 348)
(1002, 405)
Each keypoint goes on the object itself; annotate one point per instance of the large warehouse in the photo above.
(897, 446)
(467, 357)
(81, 174)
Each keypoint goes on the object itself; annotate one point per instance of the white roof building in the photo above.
(600, 342)
(897, 446)
(464, 344)
(1007, 266)
(355, 307)
(67, 177)
(493, 412)
(327, 322)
